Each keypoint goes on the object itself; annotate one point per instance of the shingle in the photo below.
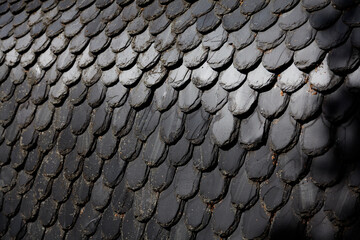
(70, 15)
(165, 39)
(91, 75)
(255, 222)
(196, 214)
(139, 95)
(262, 157)
(305, 103)
(145, 201)
(169, 208)
(234, 20)
(189, 39)
(351, 16)
(300, 37)
(309, 56)
(274, 193)
(332, 36)
(181, 23)
(291, 79)
(250, 7)
(43, 116)
(136, 174)
(260, 77)
(253, 130)
(72, 165)
(146, 121)
(122, 119)
(203, 76)
(293, 18)
(142, 41)
(314, 5)
(215, 39)
(115, 27)
(324, 18)
(153, 11)
(23, 43)
(263, 19)
(23, 29)
(148, 59)
(137, 25)
(213, 186)
(162, 176)
(51, 165)
(189, 98)
(175, 8)
(110, 12)
(280, 6)
(116, 95)
(180, 152)
(179, 76)
(205, 155)
(172, 125)
(231, 159)
(322, 78)
(73, 28)
(78, 43)
(129, 147)
(47, 213)
(158, 25)
(242, 99)
(270, 38)
(22, 92)
(351, 79)
(99, 43)
(225, 217)
(155, 76)
(155, 150)
(202, 7)
(343, 58)
(231, 78)
(186, 181)
(96, 94)
(207, 22)
(195, 57)
(122, 199)
(253, 56)
(222, 57)
(155, 231)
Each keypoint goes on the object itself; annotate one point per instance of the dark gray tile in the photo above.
(293, 18)
(158, 25)
(180, 152)
(271, 103)
(343, 59)
(207, 22)
(213, 186)
(263, 19)
(332, 36)
(222, 57)
(178, 77)
(181, 23)
(250, 7)
(253, 56)
(325, 170)
(314, 5)
(202, 7)
(145, 201)
(255, 222)
(215, 39)
(136, 174)
(115, 27)
(197, 214)
(195, 57)
(231, 159)
(253, 130)
(242, 99)
(162, 176)
(231, 78)
(186, 181)
(189, 39)
(262, 157)
(235, 20)
(324, 18)
(165, 40)
(270, 38)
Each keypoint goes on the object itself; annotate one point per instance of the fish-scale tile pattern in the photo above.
(174, 119)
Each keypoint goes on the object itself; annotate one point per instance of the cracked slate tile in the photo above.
(271, 103)
(305, 103)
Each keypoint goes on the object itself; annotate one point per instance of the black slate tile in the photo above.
(262, 157)
(255, 222)
(77, 93)
(231, 159)
(17, 75)
(28, 137)
(110, 76)
(62, 116)
(102, 3)
(73, 164)
(68, 213)
(206, 233)
(144, 209)
(81, 191)
(155, 231)
(129, 146)
(81, 118)
(213, 186)
(309, 56)
(162, 176)
(343, 58)
(8, 176)
(253, 130)
(324, 18)
(43, 116)
(34, 230)
(180, 153)
(263, 19)
(113, 171)
(88, 220)
(71, 29)
(146, 121)
(131, 228)
(122, 198)
(6, 153)
(47, 212)
(126, 58)
(6, 18)
(139, 95)
(314, 5)
(321, 227)
(260, 77)
(205, 155)
(110, 223)
(175, 8)
(189, 39)
(100, 194)
(7, 91)
(280, 6)
(106, 145)
(332, 36)
(202, 7)
(154, 151)
(23, 43)
(196, 214)
(325, 170)
(343, 5)
(305, 103)
(225, 217)
(136, 174)
(153, 10)
(17, 227)
(91, 75)
(137, 25)
(99, 43)
(315, 138)
(65, 60)
(22, 30)
(271, 103)
(92, 168)
(241, 100)
(47, 139)
(295, 228)
(253, 56)
(351, 16)
(186, 181)
(94, 27)
(58, 93)
(207, 22)
(307, 198)
(122, 120)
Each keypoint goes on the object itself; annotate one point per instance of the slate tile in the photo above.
(96, 95)
(28, 137)
(271, 103)
(338, 33)
(320, 227)
(179, 77)
(92, 168)
(22, 30)
(261, 157)
(271, 38)
(195, 57)
(343, 58)
(122, 198)
(165, 40)
(126, 152)
(110, 12)
(155, 76)
(255, 222)
(324, 18)
(6, 31)
(101, 119)
(94, 27)
(68, 213)
(325, 170)
(7, 90)
(86, 58)
(242, 99)
(81, 190)
(131, 228)
(351, 231)
(80, 119)
(106, 58)
(153, 11)
(235, 20)
(263, 19)
(47, 213)
(306, 33)
(58, 93)
(12, 202)
(27, 58)
(181, 23)
(46, 139)
(137, 25)
(6, 153)
(351, 79)
(148, 58)
(139, 95)
(222, 57)
(291, 79)
(213, 186)
(214, 99)
(115, 26)
(71, 29)
(113, 171)
(293, 18)
(12, 58)
(126, 58)
(260, 77)
(314, 5)
(136, 174)
(186, 181)
(79, 42)
(253, 130)
(202, 7)
(207, 22)
(61, 188)
(110, 76)
(6, 18)
(231, 159)
(225, 217)
(77, 93)
(305, 103)
(73, 164)
(145, 201)
(203, 76)
(106, 145)
(180, 153)
(158, 25)
(175, 8)
(43, 116)
(100, 194)
(253, 56)
(23, 43)
(41, 43)
(189, 39)
(307, 198)
(88, 220)
(59, 43)
(215, 39)
(99, 43)
(70, 14)
(251, 7)
(207, 233)
(89, 14)
(350, 16)
(91, 75)
(230, 78)
(280, 7)
(29, 207)
(155, 231)
(62, 116)
(197, 214)
(130, 12)
(17, 227)
(295, 228)
(162, 176)
(34, 230)
(54, 28)
(315, 138)
(18, 156)
(274, 193)
(154, 151)
(110, 224)
(142, 41)
(205, 155)
(122, 120)
(8, 178)
(65, 60)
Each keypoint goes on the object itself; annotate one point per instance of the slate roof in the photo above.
(174, 119)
